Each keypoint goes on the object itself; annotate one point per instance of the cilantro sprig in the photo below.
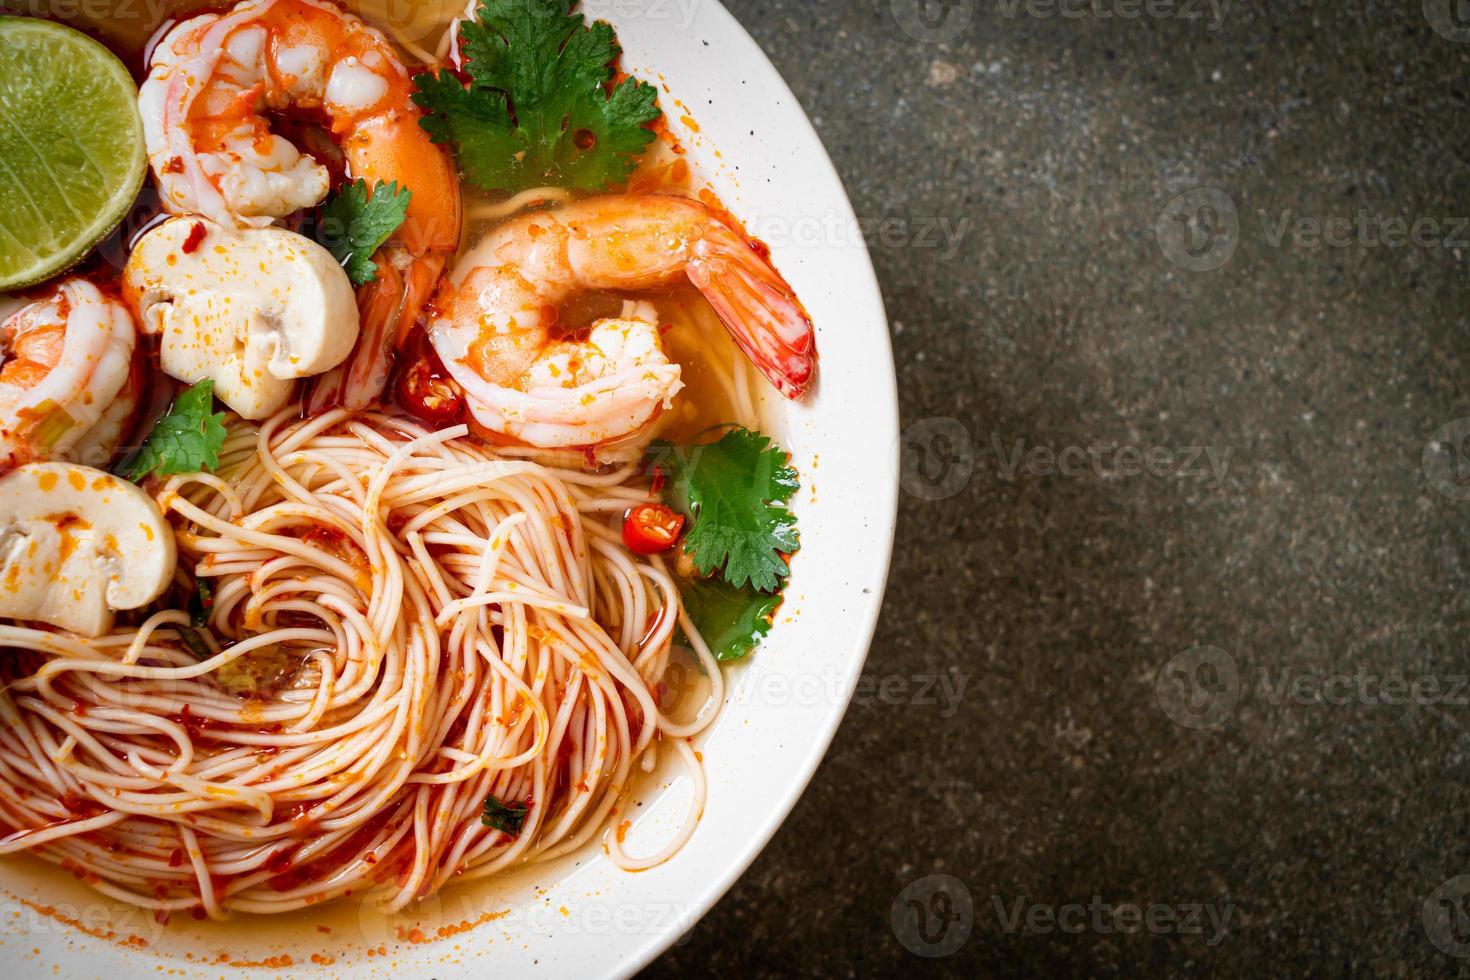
(734, 493)
(186, 440)
(540, 107)
(354, 223)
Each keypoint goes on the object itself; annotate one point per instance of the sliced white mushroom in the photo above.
(254, 310)
(77, 544)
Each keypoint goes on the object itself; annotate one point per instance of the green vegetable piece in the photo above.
(732, 621)
(261, 673)
(194, 642)
(538, 109)
(508, 818)
(354, 224)
(201, 603)
(186, 440)
(734, 493)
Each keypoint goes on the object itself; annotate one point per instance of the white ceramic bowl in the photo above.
(582, 917)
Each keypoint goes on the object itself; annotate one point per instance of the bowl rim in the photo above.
(757, 841)
(880, 498)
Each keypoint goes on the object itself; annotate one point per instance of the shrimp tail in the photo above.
(420, 280)
(759, 309)
(388, 308)
(358, 382)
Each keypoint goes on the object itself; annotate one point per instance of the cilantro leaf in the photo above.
(538, 109)
(734, 492)
(732, 621)
(186, 440)
(354, 224)
(479, 124)
(508, 818)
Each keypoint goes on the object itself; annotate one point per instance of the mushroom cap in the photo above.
(76, 544)
(254, 309)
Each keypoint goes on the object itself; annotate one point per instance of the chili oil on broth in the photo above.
(463, 924)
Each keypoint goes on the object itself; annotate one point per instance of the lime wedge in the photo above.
(71, 147)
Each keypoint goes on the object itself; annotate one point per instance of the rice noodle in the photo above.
(460, 624)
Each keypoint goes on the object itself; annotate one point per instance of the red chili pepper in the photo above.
(425, 389)
(195, 236)
(651, 529)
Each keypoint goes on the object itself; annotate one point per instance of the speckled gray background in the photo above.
(1094, 757)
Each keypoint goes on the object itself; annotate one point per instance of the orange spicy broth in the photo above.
(343, 930)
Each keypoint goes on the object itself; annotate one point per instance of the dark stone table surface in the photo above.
(1179, 301)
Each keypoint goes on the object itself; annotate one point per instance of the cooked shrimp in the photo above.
(68, 388)
(494, 316)
(213, 83)
(554, 394)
